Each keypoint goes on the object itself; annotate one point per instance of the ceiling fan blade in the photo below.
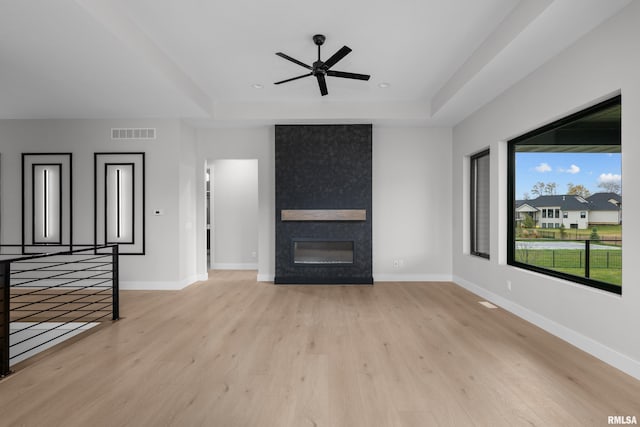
(287, 57)
(344, 50)
(348, 75)
(293, 78)
(322, 83)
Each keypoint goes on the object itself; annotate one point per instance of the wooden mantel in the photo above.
(323, 215)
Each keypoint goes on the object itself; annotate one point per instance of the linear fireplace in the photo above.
(320, 252)
(323, 204)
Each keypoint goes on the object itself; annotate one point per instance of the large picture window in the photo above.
(480, 215)
(571, 166)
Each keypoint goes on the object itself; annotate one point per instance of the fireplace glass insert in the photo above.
(322, 252)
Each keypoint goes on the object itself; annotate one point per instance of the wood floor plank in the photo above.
(233, 352)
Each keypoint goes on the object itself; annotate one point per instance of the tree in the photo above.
(528, 222)
(611, 187)
(544, 189)
(538, 188)
(526, 195)
(594, 235)
(550, 188)
(578, 190)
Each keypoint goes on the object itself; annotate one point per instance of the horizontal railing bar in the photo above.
(102, 264)
(45, 255)
(43, 292)
(52, 296)
(49, 320)
(62, 274)
(30, 280)
(56, 263)
(24, 305)
(52, 339)
(60, 305)
(96, 263)
(61, 286)
(57, 277)
(78, 261)
(81, 310)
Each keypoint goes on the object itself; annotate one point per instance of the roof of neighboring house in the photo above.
(564, 202)
(524, 206)
(569, 202)
(605, 201)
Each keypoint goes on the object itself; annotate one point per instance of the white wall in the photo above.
(411, 203)
(604, 217)
(602, 63)
(191, 221)
(235, 214)
(161, 267)
(411, 196)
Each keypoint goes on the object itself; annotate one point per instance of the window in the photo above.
(480, 204)
(581, 151)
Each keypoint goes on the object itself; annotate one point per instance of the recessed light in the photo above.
(257, 86)
(384, 85)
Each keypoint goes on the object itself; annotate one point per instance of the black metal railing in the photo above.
(598, 258)
(48, 297)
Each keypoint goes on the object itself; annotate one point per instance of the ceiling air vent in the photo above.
(133, 133)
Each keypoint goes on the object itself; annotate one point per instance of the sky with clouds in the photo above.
(588, 169)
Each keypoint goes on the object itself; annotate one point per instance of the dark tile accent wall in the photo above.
(323, 167)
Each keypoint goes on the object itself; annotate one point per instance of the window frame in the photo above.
(511, 194)
(472, 207)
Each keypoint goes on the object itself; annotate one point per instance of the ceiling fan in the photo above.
(321, 69)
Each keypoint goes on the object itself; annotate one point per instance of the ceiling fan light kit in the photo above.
(320, 69)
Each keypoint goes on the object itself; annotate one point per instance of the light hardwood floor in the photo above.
(233, 352)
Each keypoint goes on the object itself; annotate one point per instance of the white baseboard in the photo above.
(131, 285)
(584, 343)
(162, 285)
(234, 266)
(265, 277)
(399, 277)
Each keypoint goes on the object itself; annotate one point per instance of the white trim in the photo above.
(234, 266)
(265, 278)
(399, 277)
(584, 343)
(151, 286)
(162, 286)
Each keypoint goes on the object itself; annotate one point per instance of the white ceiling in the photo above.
(198, 59)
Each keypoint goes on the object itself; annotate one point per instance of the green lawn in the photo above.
(605, 265)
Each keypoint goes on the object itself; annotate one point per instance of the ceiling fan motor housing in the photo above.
(319, 39)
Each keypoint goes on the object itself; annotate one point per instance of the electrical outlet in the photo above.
(509, 285)
(396, 263)
(254, 254)
(400, 263)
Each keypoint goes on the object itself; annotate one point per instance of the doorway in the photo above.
(232, 214)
